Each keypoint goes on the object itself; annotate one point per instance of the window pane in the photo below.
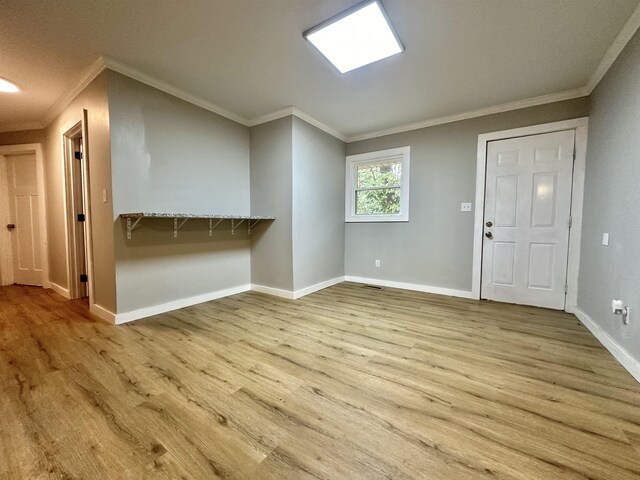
(382, 201)
(379, 175)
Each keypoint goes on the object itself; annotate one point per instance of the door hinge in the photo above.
(84, 278)
(81, 217)
(77, 155)
(574, 153)
(566, 288)
(570, 221)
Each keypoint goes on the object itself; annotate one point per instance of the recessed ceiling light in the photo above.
(356, 37)
(8, 87)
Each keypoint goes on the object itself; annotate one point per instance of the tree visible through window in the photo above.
(377, 186)
(378, 189)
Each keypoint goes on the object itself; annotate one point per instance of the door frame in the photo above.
(71, 128)
(581, 126)
(5, 241)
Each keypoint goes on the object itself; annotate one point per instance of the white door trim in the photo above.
(37, 149)
(6, 264)
(64, 130)
(71, 127)
(580, 125)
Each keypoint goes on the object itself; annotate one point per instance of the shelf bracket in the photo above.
(177, 226)
(212, 225)
(235, 225)
(131, 225)
(251, 225)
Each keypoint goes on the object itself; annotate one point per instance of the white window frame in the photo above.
(353, 161)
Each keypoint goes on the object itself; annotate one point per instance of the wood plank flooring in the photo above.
(347, 383)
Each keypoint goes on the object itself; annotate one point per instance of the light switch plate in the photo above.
(605, 239)
(465, 207)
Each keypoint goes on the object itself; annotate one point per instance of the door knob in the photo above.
(10, 226)
(488, 235)
(489, 224)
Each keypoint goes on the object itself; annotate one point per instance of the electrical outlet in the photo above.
(605, 239)
(377, 263)
(465, 207)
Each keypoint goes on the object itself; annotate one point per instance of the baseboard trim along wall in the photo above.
(623, 357)
(450, 292)
(318, 286)
(177, 304)
(60, 290)
(102, 313)
(298, 293)
(138, 314)
(276, 292)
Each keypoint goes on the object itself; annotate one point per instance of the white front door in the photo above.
(527, 219)
(26, 239)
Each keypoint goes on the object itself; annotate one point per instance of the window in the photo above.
(377, 187)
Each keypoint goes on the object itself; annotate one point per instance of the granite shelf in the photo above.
(179, 219)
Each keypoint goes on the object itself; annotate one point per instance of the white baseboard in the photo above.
(450, 292)
(277, 292)
(102, 313)
(631, 364)
(177, 304)
(298, 293)
(60, 290)
(318, 286)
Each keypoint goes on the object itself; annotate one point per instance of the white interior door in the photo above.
(527, 219)
(24, 205)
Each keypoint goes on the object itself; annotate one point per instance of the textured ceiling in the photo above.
(249, 57)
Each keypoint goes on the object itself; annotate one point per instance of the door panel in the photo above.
(543, 202)
(541, 265)
(506, 201)
(25, 215)
(503, 263)
(527, 208)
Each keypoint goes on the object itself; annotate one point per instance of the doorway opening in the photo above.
(78, 211)
(23, 233)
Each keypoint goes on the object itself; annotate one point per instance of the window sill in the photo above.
(377, 219)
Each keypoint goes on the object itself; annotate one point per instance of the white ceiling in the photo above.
(249, 57)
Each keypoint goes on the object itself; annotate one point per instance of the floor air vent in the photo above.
(375, 287)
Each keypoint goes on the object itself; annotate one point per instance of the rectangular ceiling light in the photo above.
(356, 37)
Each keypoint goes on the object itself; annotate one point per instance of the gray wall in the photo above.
(23, 136)
(94, 99)
(612, 199)
(318, 205)
(435, 247)
(271, 195)
(171, 156)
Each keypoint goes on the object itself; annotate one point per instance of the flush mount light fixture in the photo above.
(7, 87)
(356, 37)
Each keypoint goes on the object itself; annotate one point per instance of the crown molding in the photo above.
(614, 50)
(166, 87)
(270, 117)
(325, 128)
(16, 127)
(481, 112)
(293, 111)
(103, 62)
(67, 97)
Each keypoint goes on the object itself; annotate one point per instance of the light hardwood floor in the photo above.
(347, 383)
